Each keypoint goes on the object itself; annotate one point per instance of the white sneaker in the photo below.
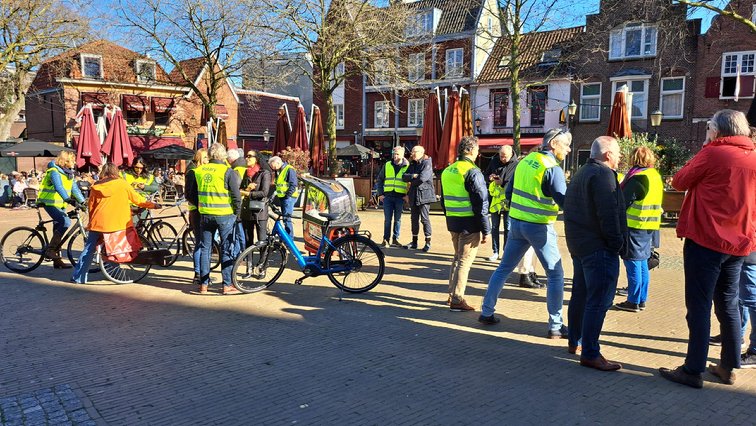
(494, 257)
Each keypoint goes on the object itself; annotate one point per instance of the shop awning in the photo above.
(163, 105)
(135, 103)
(221, 111)
(98, 100)
(508, 141)
(144, 143)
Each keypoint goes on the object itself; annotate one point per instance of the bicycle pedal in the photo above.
(298, 281)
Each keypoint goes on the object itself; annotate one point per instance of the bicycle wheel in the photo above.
(363, 259)
(258, 267)
(122, 273)
(74, 249)
(22, 249)
(164, 236)
(188, 242)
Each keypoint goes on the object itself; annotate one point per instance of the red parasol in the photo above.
(88, 146)
(451, 134)
(317, 151)
(298, 137)
(431, 127)
(117, 145)
(283, 131)
(619, 120)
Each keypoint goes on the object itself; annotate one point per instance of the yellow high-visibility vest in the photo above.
(646, 213)
(394, 182)
(456, 198)
(282, 185)
(498, 197)
(47, 193)
(214, 198)
(529, 203)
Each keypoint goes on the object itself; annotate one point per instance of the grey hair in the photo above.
(467, 145)
(729, 122)
(506, 148)
(553, 135)
(218, 152)
(275, 159)
(600, 146)
(234, 154)
(398, 149)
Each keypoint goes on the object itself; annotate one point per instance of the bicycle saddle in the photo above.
(330, 216)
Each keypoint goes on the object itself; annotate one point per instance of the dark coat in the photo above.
(421, 189)
(262, 179)
(475, 185)
(594, 211)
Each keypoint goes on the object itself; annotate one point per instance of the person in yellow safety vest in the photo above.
(215, 192)
(392, 191)
(643, 190)
(535, 194)
(239, 164)
(498, 180)
(287, 189)
(139, 178)
(465, 203)
(57, 189)
(200, 158)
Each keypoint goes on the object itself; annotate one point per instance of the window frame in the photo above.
(662, 93)
(622, 33)
(418, 113)
(460, 67)
(646, 80)
(530, 92)
(583, 97)
(83, 57)
(738, 61)
(140, 78)
(338, 110)
(385, 111)
(380, 76)
(413, 74)
(505, 91)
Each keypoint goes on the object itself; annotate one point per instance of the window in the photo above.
(639, 89)
(415, 112)
(133, 117)
(381, 114)
(731, 61)
(91, 66)
(551, 56)
(162, 118)
(420, 24)
(672, 97)
(145, 71)
(416, 67)
(499, 100)
(455, 63)
(537, 97)
(504, 61)
(632, 41)
(490, 25)
(338, 72)
(339, 111)
(380, 75)
(590, 102)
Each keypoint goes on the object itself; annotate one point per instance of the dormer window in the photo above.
(634, 40)
(91, 66)
(551, 56)
(145, 71)
(504, 61)
(420, 24)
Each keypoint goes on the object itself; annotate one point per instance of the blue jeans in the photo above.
(240, 240)
(711, 276)
(593, 285)
(392, 208)
(195, 222)
(496, 220)
(85, 258)
(61, 221)
(748, 302)
(287, 208)
(637, 280)
(225, 226)
(543, 239)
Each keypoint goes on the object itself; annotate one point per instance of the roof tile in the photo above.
(259, 111)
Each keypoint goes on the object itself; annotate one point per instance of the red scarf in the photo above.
(252, 171)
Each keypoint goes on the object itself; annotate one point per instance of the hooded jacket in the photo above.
(719, 210)
(110, 205)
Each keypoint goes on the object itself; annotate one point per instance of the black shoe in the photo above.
(679, 375)
(562, 333)
(527, 282)
(715, 340)
(396, 243)
(490, 320)
(385, 243)
(627, 306)
(534, 278)
(426, 247)
(622, 291)
(748, 360)
(642, 306)
(411, 246)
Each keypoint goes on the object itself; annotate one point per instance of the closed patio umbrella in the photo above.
(431, 127)
(283, 131)
(222, 134)
(117, 146)
(467, 123)
(88, 145)
(619, 120)
(298, 137)
(451, 133)
(317, 144)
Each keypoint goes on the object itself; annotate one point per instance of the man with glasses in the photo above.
(421, 195)
(392, 190)
(536, 193)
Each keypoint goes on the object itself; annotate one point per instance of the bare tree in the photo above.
(344, 39)
(32, 30)
(723, 8)
(219, 36)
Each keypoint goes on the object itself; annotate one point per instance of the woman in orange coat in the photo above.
(110, 202)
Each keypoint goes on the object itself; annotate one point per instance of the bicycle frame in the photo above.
(66, 235)
(311, 263)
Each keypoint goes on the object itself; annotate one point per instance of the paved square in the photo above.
(151, 353)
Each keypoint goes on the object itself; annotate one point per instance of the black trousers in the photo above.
(252, 227)
(496, 220)
(419, 214)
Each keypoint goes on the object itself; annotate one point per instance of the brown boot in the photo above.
(52, 250)
(58, 262)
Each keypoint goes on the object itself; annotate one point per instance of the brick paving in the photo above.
(151, 353)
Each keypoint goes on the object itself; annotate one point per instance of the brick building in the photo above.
(258, 114)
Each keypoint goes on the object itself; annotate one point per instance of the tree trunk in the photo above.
(514, 67)
(20, 86)
(331, 133)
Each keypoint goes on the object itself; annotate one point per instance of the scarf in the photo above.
(632, 172)
(252, 171)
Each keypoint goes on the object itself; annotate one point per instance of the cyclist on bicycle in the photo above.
(57, 189)
(139, 178)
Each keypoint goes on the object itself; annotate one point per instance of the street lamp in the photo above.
(266, 136)
(478, 122)
(656, 119)
(571, 110)
(355, 137)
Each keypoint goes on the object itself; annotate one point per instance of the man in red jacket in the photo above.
(718, 222)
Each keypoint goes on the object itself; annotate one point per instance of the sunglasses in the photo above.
(561, 132)
(251, 156)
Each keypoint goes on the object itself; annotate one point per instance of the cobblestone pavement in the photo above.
(152, 353)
